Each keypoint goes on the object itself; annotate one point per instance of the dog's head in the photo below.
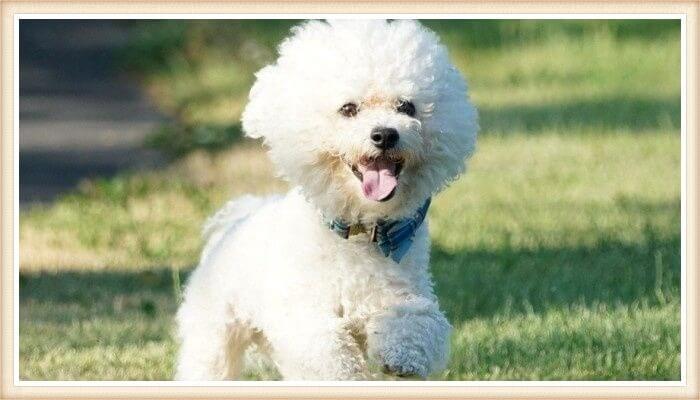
(369, 117)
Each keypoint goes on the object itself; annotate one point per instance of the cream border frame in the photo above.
(687, 388)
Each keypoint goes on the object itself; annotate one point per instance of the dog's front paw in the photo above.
(399, 358)
(410, 340)
(405, 366)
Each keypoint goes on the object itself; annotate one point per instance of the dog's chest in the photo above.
(366, 280)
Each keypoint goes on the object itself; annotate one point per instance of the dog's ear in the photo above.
(260, 113)
(271, 101)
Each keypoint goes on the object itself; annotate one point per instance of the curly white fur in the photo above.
(272, 274)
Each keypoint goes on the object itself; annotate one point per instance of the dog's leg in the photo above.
(316, 349)
(410, 339)
(240, 337)
(202, 351)
(210, 348)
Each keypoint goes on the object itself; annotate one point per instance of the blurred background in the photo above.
(556, 257)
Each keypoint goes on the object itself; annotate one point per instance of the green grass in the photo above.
(556, 257)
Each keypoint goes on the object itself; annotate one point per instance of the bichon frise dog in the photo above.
(368, 119)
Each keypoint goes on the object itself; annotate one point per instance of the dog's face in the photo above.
(369, 117)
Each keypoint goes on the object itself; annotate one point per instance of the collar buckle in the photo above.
(356, 230)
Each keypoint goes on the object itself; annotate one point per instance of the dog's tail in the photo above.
(230, 216)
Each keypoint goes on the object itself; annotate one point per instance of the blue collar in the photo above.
(394, 238)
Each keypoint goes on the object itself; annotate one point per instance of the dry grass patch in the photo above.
(138, 221)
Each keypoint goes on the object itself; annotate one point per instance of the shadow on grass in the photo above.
(470, 283)
(152, 43)
(477, 34)
(481, 283)
(177, 140)
(90, 294)
(634, 114)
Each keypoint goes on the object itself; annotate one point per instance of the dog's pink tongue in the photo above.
(378, 180)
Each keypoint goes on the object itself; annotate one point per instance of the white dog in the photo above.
(368, 119)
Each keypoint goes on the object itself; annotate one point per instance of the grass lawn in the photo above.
(557, 256)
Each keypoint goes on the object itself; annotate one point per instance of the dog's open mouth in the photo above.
(379, 176)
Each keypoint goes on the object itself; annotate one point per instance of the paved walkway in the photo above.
(79, 115)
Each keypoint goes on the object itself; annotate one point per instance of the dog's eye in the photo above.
(406, 107)
(348, 110)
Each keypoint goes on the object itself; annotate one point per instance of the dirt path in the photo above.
(79, 116)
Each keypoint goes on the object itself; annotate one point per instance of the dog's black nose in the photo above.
(384, 138)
